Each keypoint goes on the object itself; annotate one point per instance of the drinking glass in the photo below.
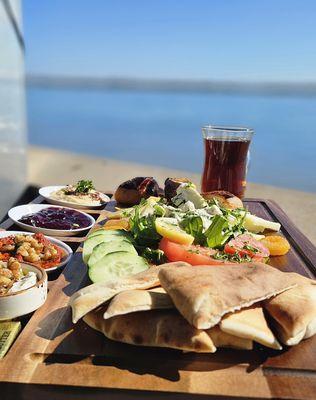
(226, 158)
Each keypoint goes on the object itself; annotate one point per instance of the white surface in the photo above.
(18, 212)
(21, 303)
(46, 191)
(67, 250)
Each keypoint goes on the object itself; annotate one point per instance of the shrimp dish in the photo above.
(35, 249)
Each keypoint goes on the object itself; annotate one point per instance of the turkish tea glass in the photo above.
(226, 158)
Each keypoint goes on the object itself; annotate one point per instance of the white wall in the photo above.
(12, 110)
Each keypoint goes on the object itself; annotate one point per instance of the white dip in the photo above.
(26, 282)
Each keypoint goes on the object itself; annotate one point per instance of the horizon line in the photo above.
(307, 88)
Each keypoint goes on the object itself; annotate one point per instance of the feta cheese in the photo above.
(187, 206)
(186, 192)
(26, 282)
(214, 210)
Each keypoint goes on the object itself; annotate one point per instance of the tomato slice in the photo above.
(246, 245)
(194, 255)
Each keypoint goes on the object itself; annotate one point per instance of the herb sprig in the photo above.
(84, 186)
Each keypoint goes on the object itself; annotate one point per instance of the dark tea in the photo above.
(225, 165)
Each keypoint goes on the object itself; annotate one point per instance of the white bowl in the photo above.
(46, 192)
(20, 211)
(66, 249)
(13, 305)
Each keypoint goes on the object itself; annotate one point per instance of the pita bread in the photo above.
(203, 294)
(158, 328)
(223, 339)
(294, 311)
(138, 300)
(92, 296)
(250, 323)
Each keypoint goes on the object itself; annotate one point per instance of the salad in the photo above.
(188, 227)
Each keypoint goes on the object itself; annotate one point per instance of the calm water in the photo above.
(164, 128)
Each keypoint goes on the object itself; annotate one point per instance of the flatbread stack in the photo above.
(92, 296)
(294, 311)
(202, 308)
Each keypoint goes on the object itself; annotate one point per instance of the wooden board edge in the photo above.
(306, 249)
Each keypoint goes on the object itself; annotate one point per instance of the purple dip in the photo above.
(57, 218)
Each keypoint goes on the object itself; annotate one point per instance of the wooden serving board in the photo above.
(52, 356)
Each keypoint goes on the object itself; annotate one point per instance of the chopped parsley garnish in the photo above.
(232, 257)
(250, 248)
(84, 186)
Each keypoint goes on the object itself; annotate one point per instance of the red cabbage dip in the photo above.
(57, 218)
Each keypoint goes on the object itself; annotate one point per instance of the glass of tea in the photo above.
(226, 158)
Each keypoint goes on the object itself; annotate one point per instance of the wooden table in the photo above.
(54, 358)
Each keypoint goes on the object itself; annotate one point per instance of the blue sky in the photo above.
(197, 39)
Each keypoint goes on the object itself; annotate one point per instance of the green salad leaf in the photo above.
(159, 210)
(143, 229)
(218, 232)
(155, 256)
(193, 225)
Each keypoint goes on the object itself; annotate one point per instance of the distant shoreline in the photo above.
(174, 85)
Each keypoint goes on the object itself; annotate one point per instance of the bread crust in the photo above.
(226, 199)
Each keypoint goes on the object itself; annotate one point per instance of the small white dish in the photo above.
(66, 249)
(18, 212)
(46, 192)
(13, 305)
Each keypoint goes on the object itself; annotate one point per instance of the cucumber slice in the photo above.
(117, 265)
(93, 241)
(105, 248)
(113, 232)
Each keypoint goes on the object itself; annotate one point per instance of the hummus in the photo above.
(92, 198)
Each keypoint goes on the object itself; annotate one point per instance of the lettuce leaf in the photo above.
(193, 225)
(154, 256)
(143, 230)
(218, 232)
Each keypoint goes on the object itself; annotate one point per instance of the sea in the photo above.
(164, 128)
